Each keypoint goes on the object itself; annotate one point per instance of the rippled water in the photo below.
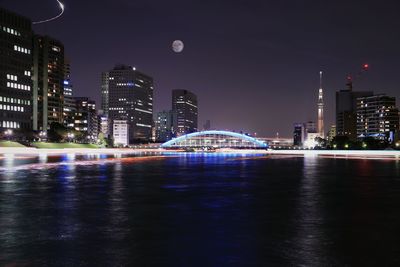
(199, 210)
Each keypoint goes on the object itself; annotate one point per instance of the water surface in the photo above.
(198, 210)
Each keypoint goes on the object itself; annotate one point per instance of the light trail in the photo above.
(54, 18)
(48, 165)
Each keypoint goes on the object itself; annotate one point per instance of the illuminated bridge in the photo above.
(215, 139)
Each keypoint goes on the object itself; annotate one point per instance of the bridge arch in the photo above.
(216, 139)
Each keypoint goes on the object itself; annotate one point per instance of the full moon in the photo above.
(177, 46)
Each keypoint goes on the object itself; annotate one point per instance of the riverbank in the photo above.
(367, 154)
(83, 151)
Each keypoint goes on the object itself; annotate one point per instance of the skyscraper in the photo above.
(377, 117)
(104, 93)
(69, 101)
(130, 98)
(163, 123)
(48, 82)
(184, 104)
(85, 118)
(321, 130)
(346, 112)
(15, 71)
(299, 134)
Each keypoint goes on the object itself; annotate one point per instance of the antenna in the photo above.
(350, 78)
(320, 79)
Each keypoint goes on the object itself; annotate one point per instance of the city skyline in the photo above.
(269, 63)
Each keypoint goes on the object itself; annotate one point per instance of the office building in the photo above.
(331, 133)
(48, 82)
(85, 118)
(299, 134)
(346, 112)
(104, 93)
(130, 98)
(377, 117)
(69, 107)
(184, 104)
(163, 123)
(120, 133)
(15, 71)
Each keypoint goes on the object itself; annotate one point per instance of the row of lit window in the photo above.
(142, 110)
(12, 108)
(81, 129)
(22, 50)
(79, 121)
(14, 100)
(11, 31)
(125, 84)
(10, 124)
(18, 86)
(27, 73)
(143, 125)
(12, 77)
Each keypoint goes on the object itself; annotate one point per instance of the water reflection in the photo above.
(309, 237)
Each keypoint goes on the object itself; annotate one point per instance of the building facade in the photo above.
(85, 118)
(48, 82)
(103, 125)
(184, 105)
(377, 117)
(130, 98)
(120, 133)
(332, 133)
(299, 134)
(69, 107)
(15, 71)
(104, 93)
(163, 123)
(346, 112)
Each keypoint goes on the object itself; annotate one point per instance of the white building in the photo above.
(120, 133)
(311, 141)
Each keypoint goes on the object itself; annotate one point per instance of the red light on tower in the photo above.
(365, 66)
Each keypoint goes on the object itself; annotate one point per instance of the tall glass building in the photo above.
(163, 123)
(48, 82)
(184, 105)
(130, 98)
(69, 101)
(15, 71)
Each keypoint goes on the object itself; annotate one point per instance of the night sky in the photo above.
(253, 64)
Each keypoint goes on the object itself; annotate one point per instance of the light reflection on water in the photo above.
(198, 210)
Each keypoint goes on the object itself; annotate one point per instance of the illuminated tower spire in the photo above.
(320, 108)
